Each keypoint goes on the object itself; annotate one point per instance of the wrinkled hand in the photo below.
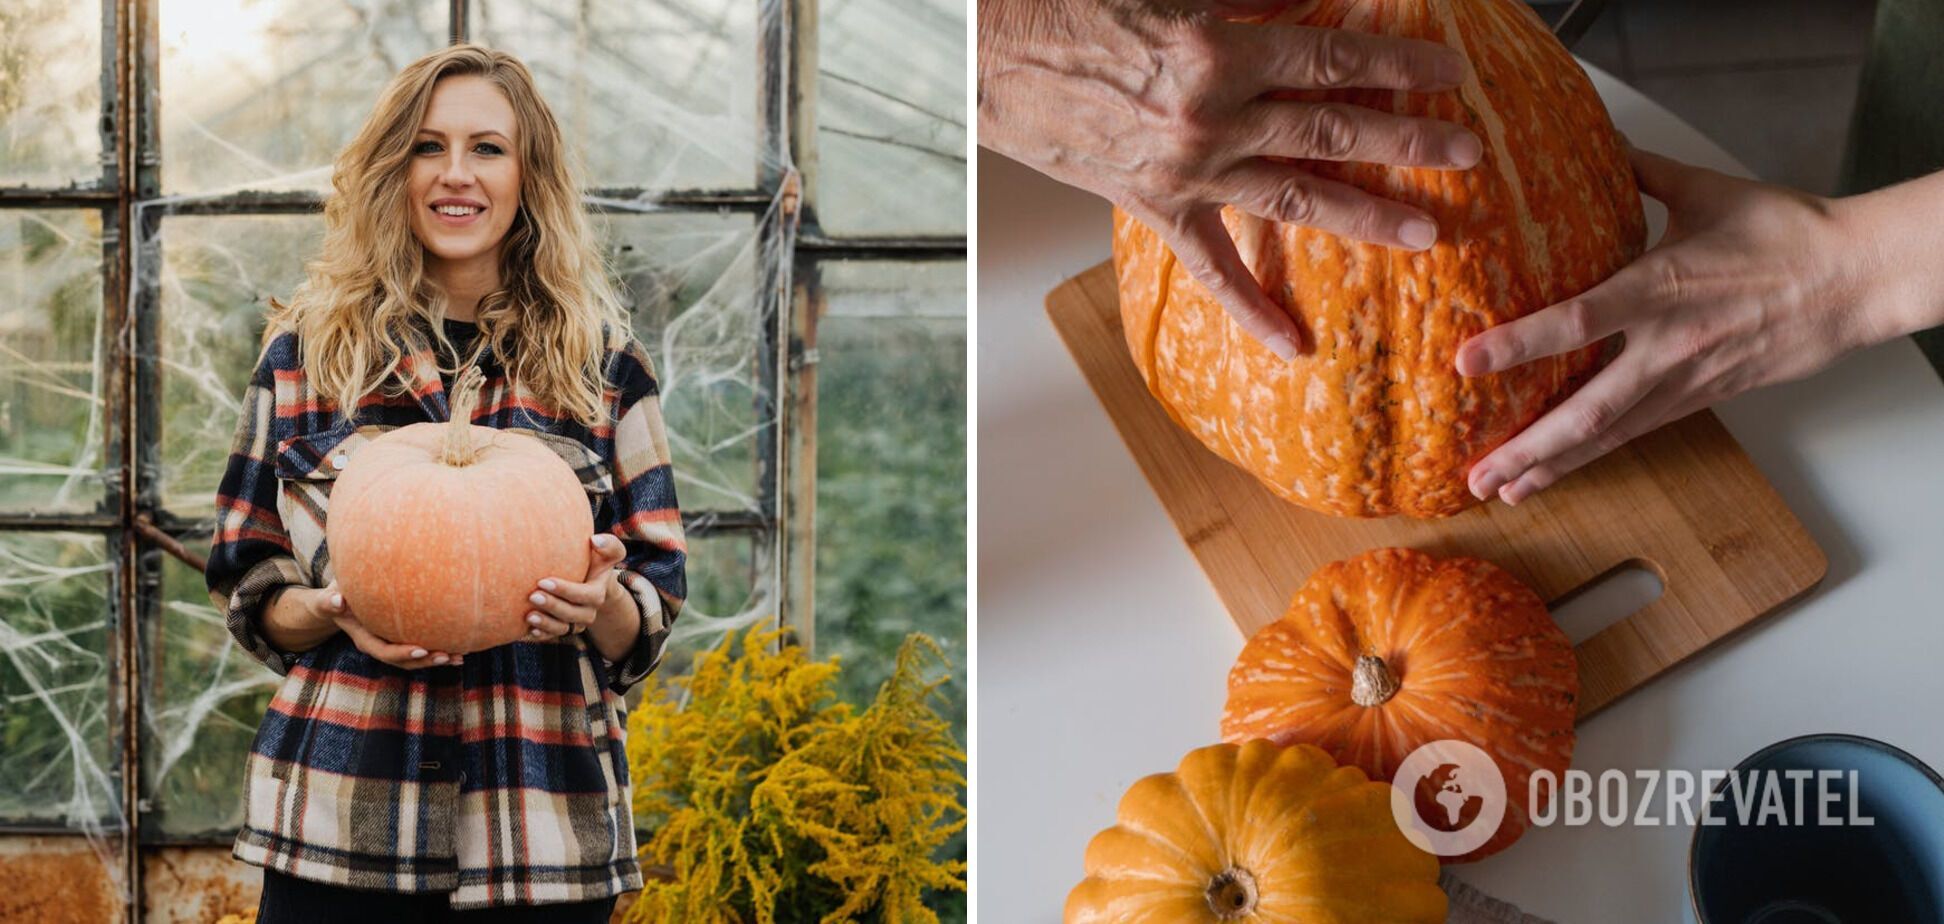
(1162, 106)
(562, 606)
(1753, 284)
(327, 605)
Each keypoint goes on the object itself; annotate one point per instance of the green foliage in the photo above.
(773, 801)
(891, 503)
(56, 735)
(890, 494)
(204, 701)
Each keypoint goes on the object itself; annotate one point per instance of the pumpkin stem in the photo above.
(1372, 683)
(459, 449)
(1232, 894)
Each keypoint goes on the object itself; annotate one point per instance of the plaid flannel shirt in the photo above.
(502, 780)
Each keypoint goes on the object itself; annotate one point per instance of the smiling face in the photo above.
(465, 171)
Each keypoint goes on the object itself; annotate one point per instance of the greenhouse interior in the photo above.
(779, 190)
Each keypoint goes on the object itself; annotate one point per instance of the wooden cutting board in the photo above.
(1683, 502)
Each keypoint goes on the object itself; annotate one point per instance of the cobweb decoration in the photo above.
(58, 747)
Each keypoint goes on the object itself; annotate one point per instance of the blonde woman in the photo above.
(389, 782)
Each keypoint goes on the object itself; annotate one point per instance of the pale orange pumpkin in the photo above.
(1394, 649)
(1258, 833)
(1376, 420)
(439, 531)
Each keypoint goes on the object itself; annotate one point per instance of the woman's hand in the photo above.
(562, 606)
(1162, 106)
(328, 606)
(1753, 284)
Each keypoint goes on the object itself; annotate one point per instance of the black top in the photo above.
(462, 334)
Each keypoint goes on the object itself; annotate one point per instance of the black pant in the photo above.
(289, 900)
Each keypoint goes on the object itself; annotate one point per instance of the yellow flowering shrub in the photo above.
(771, 801)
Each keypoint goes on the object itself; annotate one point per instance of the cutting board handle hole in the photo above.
(1619, 592)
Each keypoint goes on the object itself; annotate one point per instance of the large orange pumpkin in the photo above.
(1256, 832)
(1394, 649)
(1376, 420)
(439, 531)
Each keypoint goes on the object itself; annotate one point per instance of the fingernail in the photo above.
(1418, 234)
(1465, 150)
(538, 599)
(440, 659)
(1451, 68)
(1511, 494)
(337, 601)
(457, 661)
(602, 541)
(533, 618)
(535, 633)
(1472, 362)
(418, 652)
(546, 584)
(1487, 485)
(1283, 345)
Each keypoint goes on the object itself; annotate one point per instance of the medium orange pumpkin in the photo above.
(1256, 832)
(1394, 649)
(1376, 420)
(439, 531)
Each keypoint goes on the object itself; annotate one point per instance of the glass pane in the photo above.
(204, 700)
(59, 761)
(692, 281)
(659, 94)
(728, 576)
(51, 413)
(50, 93)
(891, 117)
(890, 514)
(261, 94)
(218, 273)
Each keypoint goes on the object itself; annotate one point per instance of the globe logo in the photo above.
(1448, 797)
(1443, 803)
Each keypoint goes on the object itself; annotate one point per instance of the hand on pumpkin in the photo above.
(561, 606)
(1165, 108)
(328, 606)
(1753, 284)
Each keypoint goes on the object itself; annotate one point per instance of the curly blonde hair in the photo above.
(354, 312)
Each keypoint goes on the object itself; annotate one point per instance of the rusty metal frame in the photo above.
(303, 203)
(137, 50)
(900, 249)
(131, 518)
(791, 438)
(796, 548)
(82, 196)
(789, 49)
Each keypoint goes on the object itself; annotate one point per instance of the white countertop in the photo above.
(1102, 650)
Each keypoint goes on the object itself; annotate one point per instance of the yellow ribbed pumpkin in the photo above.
(1256, 832)
(1376, 421)
(439, 531)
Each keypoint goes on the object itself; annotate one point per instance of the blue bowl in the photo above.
(1891, 871)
